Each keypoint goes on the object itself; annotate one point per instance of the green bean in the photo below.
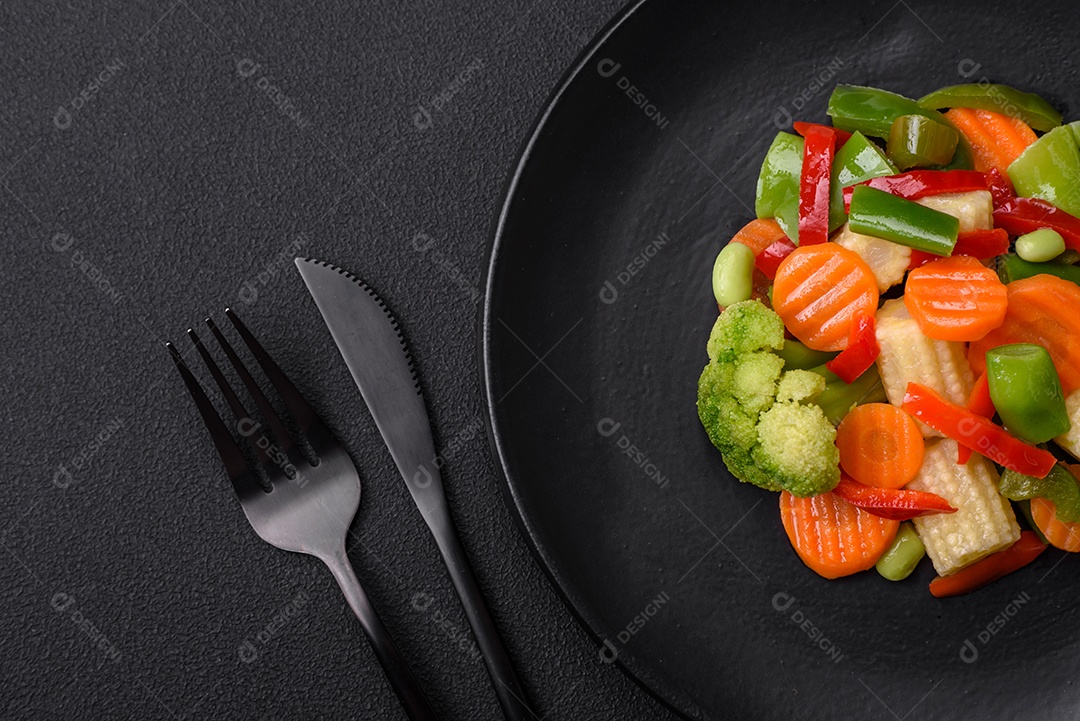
(1069, 257)
(733, 274)
(916, 140)
(903, 555)
(1012, 267)
(1040, 245)
(1026, 391)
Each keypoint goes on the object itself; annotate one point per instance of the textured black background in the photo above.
(175, 183)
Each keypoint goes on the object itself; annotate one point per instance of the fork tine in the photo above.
(277, 427)
(301, 410)
(244, 480)
(231, 398)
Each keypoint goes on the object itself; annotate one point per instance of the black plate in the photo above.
(598, 307)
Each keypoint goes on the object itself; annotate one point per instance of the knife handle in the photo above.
(508, 687)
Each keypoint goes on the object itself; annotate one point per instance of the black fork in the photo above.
(300, 491)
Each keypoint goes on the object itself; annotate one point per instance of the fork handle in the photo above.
(401, 677)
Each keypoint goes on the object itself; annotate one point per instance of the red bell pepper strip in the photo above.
(979, 403)
(861, 352)
(1023, 215)
(981, 244)
(769, 259)
(977, 433)
(818, 151)
(916, 184)
(991, 568)
(891, 503)
(802, 128)
(919, 258)
(1001, 189)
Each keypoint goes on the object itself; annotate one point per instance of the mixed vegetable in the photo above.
(898, 348)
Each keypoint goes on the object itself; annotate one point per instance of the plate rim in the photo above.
(671, 699)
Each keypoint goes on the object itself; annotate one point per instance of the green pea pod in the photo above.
(780, 174)
(1026, 391)
(857, 160)
(903, 555)
(883, 215)
(1049, 169)
(1012, 267)
(839, 397)
(1059, 486)
(1029, 107)
(872, 111)
(798, 357)
(916, 141)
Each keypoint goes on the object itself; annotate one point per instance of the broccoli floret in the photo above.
(800, 386)
(745, 327)
(760, 417)
(797, 447)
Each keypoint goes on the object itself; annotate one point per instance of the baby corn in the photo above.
(984, 522)
(888, 260)
(908, 356)
(974, 209)
(1070, 440)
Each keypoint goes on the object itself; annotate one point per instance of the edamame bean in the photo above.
(733, 274)
(1040, 245)
(903, 555)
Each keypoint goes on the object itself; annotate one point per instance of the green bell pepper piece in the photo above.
(787, 217)
(857, 160)
(872, 111)
(917, 141)
(903, 556)
(780, 174)
(1050, 169)
(1026, 391)
(1029, 107)
(883, 215)
(1012, 267)
(1059, 486)
(798, 357)
(839, 397)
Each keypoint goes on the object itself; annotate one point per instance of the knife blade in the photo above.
(369, 339)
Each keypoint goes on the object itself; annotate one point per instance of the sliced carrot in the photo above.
(980, 403)
(955, 298)
(759, 234)
(1060, 534)
(880, 445)
(820, 290)
(1042, 309)
(996, 139)
(833, 537)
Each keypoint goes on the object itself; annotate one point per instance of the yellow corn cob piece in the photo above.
(974, 209)
(984, 522)
(888, 260)
(908, 356)
(1070, 440)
